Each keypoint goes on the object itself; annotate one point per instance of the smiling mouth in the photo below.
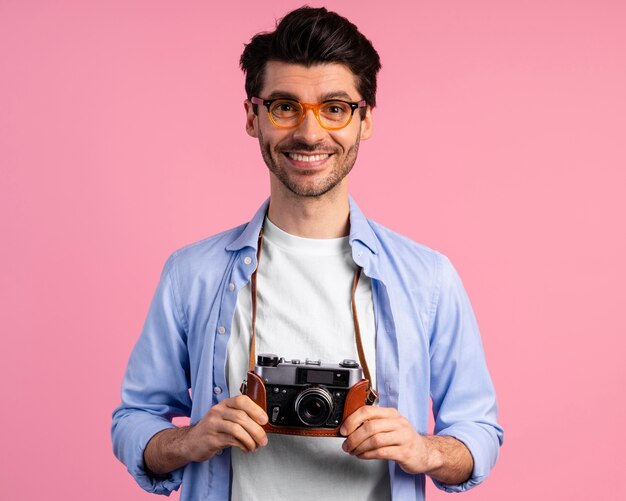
(308, 158)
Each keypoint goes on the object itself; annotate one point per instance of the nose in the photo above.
(309, 131)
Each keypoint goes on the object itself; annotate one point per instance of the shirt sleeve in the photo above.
(464, 400)
(156, 385)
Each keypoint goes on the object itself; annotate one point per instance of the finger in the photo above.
(227, 413)
(252, 428)
(378, 441)
(392, 453)
(240, 434)
(225, 440)
(367, 430)
(362, 414)
(246, 404)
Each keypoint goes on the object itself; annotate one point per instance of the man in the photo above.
(311, 88)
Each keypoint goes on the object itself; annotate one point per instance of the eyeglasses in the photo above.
(288, 113)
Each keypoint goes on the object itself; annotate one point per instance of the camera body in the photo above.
(307, 398)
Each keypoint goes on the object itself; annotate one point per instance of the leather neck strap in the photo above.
(357, 330)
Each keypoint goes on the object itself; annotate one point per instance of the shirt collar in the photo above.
(360, 229)
(250, 235)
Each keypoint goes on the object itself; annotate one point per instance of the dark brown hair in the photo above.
(311, 36)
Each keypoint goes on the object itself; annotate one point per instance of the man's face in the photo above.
(308, 160)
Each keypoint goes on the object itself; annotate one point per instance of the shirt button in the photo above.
(247, 260)
(221, 329)
(231, 287)
(217, 390)
(219, 453)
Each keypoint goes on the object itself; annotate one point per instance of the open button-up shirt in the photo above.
(427, 346)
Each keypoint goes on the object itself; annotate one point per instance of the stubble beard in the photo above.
(301, 185)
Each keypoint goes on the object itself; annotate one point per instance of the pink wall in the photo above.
(499, 140)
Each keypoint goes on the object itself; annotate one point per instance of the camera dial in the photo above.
(349, 363)
(267, 360)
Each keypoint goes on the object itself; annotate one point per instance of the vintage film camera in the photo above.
(306, 398)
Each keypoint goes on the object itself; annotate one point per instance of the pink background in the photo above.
(499, 140)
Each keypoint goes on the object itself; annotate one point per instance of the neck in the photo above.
(327, 216)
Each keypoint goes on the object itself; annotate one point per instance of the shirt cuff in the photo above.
(144, 430)
(478, 441)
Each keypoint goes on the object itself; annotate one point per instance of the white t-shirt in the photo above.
(304, 311)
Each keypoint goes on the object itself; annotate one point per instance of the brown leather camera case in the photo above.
(357, 397)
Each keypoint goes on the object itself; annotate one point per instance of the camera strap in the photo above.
(372, 394)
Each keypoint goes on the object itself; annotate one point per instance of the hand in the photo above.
(233, 422)
(383, 433)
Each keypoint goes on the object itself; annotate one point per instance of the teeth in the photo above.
(308, 158)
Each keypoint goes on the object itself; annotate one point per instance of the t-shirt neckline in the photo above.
(318, 246)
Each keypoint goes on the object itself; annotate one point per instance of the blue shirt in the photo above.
(427, 346)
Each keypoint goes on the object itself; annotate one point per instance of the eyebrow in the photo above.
(326, 97)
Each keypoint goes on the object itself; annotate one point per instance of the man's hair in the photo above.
(311, 36)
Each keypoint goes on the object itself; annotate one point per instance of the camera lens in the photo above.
(314, 406)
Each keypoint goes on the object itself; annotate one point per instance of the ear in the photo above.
(251, 119)
(366, 124)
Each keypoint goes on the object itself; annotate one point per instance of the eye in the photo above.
(283, 107)
(334, 108)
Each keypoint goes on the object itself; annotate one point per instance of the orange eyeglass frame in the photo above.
(308, 106)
